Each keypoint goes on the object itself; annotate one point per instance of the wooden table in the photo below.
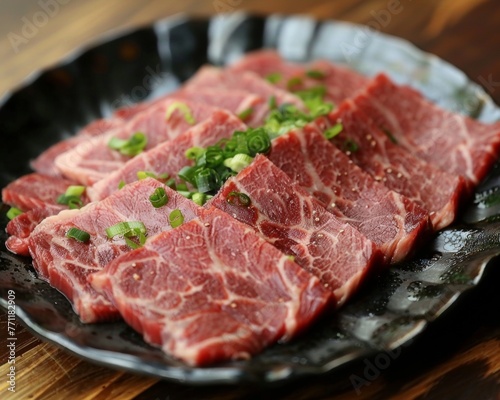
(458, 359)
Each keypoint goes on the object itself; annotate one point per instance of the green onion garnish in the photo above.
(272, 103)
(78, 234)
(274, 78)
(293, 82)
(121, 228)
(245, 114)
(316, 74)
(187, 174)
(199, 198)
(186, 193)
(330, 133)
(159, 198)
(258, 142)
(213, 157)
(351, 145)
(176, 218)
(129, 230)
(131, 147)
(184, 109)
(313, 99)
(193, 153)
(148, 174)
(238, 199)
(145, 174)
(13, 213)
(121, 184)
(206, 180)
(72, 197)
(238, 162)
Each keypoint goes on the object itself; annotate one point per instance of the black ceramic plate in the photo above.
(390, 311)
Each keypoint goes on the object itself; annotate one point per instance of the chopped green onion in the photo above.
(390, 136)
(313, 99)
(330, 133)
(293, 82)
(131, 147)
(171, 184)
(212, 157)
(206, 179)
(13, 213)
(72, 197)
(77, 234)
(182, 186)
(129, 230)
(318, 91)
(239, 140)
(245, 114)
(351, 145)
(186, 193)
(176, 218)
(199, 198)
(188, 174)
(145, 174)
(291, 258)
(121, 184)
(316, 74)
(274, 77)
(285, 118)
(258, 142)
(272, 102)
(159, 198)
(238, 199)
(238, 162)
(75, 190)
(184, 109)
(122, 228)
(193, 153)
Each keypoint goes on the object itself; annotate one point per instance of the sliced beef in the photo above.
(36, 195)
(380, 155)
(36, 191)
(169, 157)
(66, 263)
(213, 77)
(453, 142)
(293, 221)
(212, 290)
(266, 63)
(251, 108)
(20, 228)
(339, 82)
(389, 219)
(44, 163)
(92, 160)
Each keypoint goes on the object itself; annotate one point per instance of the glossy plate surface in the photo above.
(389, 312)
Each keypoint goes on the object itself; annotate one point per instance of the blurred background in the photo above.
(38, 33)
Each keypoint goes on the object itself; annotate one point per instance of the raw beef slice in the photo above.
(66, 263)
(212, 290)
(293, 221)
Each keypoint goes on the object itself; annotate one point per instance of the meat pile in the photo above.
(358, 173)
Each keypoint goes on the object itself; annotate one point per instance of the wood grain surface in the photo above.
(457, 358)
